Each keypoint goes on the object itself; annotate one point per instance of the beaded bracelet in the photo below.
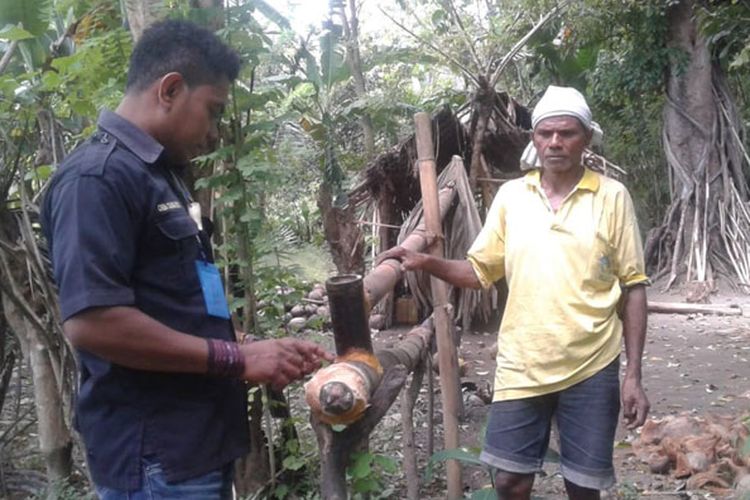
(225, 359)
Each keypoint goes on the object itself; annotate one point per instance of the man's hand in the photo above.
(635, 404)
(458, 273)
(279, 362)
(409, 259)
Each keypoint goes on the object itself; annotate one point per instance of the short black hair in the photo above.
(182, 47)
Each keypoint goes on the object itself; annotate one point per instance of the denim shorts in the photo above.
(215, 485)
(586, 414)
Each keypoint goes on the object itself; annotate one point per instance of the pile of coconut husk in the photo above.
(311, 313)
(707, 451)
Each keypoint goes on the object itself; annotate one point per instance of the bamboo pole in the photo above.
(384, 277)
(346, 299)
(447, 356)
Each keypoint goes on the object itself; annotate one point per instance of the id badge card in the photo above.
(213, 289)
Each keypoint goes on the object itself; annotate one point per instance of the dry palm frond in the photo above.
(460, 228)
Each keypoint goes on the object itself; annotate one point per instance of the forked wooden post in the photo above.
(447, 355)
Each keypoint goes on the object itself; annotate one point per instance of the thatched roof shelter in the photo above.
(493, 123)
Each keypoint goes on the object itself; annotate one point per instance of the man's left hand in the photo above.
(635, 404)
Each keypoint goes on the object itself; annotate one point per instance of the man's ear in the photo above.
(170, 87)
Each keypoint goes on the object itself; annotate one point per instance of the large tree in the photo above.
(707, 227)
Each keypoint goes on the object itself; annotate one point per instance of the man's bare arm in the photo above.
(128, 337)
(634, 401)
(458, 273)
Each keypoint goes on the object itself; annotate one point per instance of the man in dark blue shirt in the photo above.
(162, 404)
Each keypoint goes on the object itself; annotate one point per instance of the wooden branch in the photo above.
(16, 296)
(313, 301)
(336, 447)
(467, 72)
(430, 407)
(408, 398)
(477, 167)
(686, 308)
(377, 224)
(5, 61)
(409, 352)
(469, 42)
(507, 58)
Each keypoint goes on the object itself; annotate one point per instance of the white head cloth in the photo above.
(559, 101)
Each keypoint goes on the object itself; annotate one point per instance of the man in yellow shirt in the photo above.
(566, 239)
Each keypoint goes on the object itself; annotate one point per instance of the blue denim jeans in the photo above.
(518, 431)
(216, 485)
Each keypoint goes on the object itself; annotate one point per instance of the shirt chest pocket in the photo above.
(171, 249)
(600, 274)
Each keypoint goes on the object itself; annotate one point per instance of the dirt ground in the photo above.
(692, 363)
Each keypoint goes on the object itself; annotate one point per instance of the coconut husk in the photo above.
(705, 450)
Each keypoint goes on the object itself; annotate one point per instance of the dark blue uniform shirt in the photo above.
(120, 235)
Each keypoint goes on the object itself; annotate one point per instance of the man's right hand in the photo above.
(410, 260)
(278, 362)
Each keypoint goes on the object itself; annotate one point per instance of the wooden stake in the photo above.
(682, 308)
(447, 356)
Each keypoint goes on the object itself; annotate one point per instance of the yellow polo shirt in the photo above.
(565, 271)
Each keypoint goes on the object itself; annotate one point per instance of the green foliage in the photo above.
(561, 59)
(367, 475)
(463, 455)
(467, 456)
(31, 15)
(726, 26)
(12, 33)
(80, 91)
(617, 53)
(628, 491)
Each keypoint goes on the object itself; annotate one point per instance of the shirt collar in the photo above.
(135, 139)
(589, 181)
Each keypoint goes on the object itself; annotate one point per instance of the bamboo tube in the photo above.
(447, 356)
(384, 277)
(346, 300)
(340, 393)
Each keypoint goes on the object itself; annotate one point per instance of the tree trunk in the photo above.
(32, 316)
(482, 105)
(342, 233)
(703, 158)
(353, 59)
(54, 436)
(140, 14)
(447, 355)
